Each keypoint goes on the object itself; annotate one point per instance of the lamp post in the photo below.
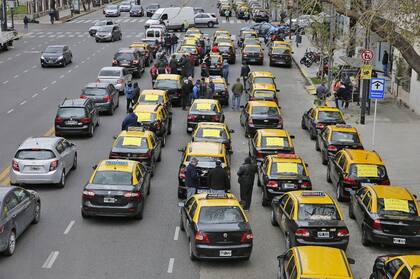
(4, 16)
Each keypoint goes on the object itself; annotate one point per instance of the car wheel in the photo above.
(324, 158)
(84, 214)
(164, 141)
(62, 182)
(273, 219)
(74, 166)
(210, 24)
(11, 244)
(365, 239)
(317, 145)
(312, 134)
(303, 125)
(338, 193)
(42, 65)
(181, 224)
(328, 174)
(351, 212)
(264, 201)
(37, 213)
(97, 40)
(192, 256)
(139, 215)
(91, 131)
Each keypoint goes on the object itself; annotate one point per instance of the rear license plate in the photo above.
(366, 184)
(203, 117)
(288, 186)
(125, 64)
(109, 200)
(225, 253)
(71, 122)
(35, 168)
(323, 234)
(399, 240)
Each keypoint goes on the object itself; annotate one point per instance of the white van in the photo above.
(154, 33)
(173, 18)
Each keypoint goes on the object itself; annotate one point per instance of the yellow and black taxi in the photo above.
(270, 141)
(317, 118)
(156, 97)
(282, 173)
(310, 218)
(336, 137)
(314, 262)
(252, 54)
(222, 39)
(259, 115)
(263, 91)
(207, 153)
(251, 41)
(116, 188)
(146, 50)
(387, 215)
(213, 132)
(192, 51)
(352, 169)
(193, 31)
(396, 267)
(246, 34)
(204, 110)
(213, 66)
(281, 55)
(287, 44)
(154, 118)
(221, 91)
(243, 12)
(139, 145)
(171, 83)
(216, 227)
(227, 50)
(265, 77)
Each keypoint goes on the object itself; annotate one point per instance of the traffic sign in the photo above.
(366, 71)
(377, 89)
(366, 55)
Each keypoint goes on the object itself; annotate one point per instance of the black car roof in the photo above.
(74, 103)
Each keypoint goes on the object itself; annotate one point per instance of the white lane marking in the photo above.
(83, 62)
(223, 21)
(61, 76)
(171, 265)
(69, 71)
(67, 230)
(15, 76)
(53, 82)
(141, 20)
(36, 94)
(80, 36)
(176, 235)
(60, 36)
(45, 88)
(49, 33)
(22, 103)
(10, 111)
(34, 66)
(26, 71)
(88, 58)
(10, 58)
(1, 62)
(77, 66)
(18, 54)
(5, 82)
(50, 260)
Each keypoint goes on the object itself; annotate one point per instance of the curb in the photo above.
(311, 89)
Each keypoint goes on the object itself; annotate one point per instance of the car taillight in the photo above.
(120, 81)
(58, 120)
(53, 165)
(331, 148)
(132, 195)
(343, 232)
(192, 117)
(320, 126)
(376, 224)
(272, 184)
(86, 120)
(135, 61)
(88, 194)
(114, 62)
(202, 237)
(15, 165)
(107, 99)
(259, 154)
(182, 173)
(83, 97)
(302, 232)
(244, 54)
(247, 237)
(306, 185)
(348, 180)
(215, 118)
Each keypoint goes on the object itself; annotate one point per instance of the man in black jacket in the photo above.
(244, 74)
(218, 179)
(246, 175)
(130, 120)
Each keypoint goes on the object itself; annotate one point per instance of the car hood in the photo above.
(152, 21)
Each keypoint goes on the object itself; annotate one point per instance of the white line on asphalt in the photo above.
(77, 66)
(53, 82)
(93, 54)
(34, 66)
(171, 265)
(1, 62)
(5, 82)
(18, 54)
(69, 71)
(15, 76)
(61, 76)
(10, 111)
(45, 88)
(67, 230)
(26, 71)
(50, 260)
(176, 235)
(10, 58)
(22, 103)
(88, 58)
(83, 61)
(36, 94)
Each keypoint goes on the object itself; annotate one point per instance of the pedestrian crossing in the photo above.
(140, 20)
(75, 34)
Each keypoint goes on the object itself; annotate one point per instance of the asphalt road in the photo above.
(65, 246)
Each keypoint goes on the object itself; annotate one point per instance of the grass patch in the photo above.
(316, 80)
(18, 10)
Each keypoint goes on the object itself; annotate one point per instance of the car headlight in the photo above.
(42, 57)
(109, 34)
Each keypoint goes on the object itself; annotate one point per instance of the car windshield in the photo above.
(35, 154)
(219, 86)
(224, 49)
(329, 116)
(136, 7)
(131, 142)
(364, 171)
(309, 212)
(151, 99)
(345, 137)
(220, 215)
(112, 7)
(124, 56)
(206, 159)
(106, 28)
(166, 83)
(252, 49)
(95, 92)
(155, 16)
(54, 50)
(274, 142)
(109, 73)
(251, 41)
(268, 80)
(100, 23)
(264, 110)
(112, 178)
(280, 51)
(71, 112)
(396, 207)
(211, 133)
(287, 169)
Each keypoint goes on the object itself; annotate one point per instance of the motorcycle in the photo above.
(310, 57)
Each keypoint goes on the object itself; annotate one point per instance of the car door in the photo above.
(365, 209)
(157, 147)
(68, 154)
(253, 145)
(59, 148)
(93, 112)
(26, 206)
(323, 140)
(357, 204)
(335, 167)
(14, 212)
(112, 93)
(290, 267)
(286, 216)
(391, 268)
(141, 181)
(244, 114)
(190, 210)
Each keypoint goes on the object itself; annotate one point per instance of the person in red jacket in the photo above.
(215, 48)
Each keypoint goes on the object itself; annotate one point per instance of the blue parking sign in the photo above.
(377, 89)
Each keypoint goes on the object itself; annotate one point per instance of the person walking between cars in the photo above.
(246, 175)
(25, 23)
(195, 92)
(52, 16)
(174, 42)
(298, 38)
(237, 90)
(130, 120)
(173, 63)
(129, 94)
(168, 43)
(211, 89)
(227, 15)
(186, 91)
(245, 70)
(136, 92)
(218, 179)
(154, 73)
(225, 71)
(321, 93)
(203, 89)
(192, 178)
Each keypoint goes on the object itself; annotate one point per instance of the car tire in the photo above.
(210, 24)
(365, 239)
(37, 213)
(97, 40)
(11, 244)
(181, 224)
(303, 125)
(264, 201)
(259, 182)
(74, 166)
(112, 38)
(351, 211)
(84, 214)
(139, 215)
(273, 220)
(329, 175)
(338, 193)
(91, 130)
(324, 158)
(192, 256)
(62, 182)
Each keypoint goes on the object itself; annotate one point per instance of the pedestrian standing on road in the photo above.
(246, 176)
(168, 69)
(168, 43)
(385, 61)
(173, 63)
(129, 95)
(192, 179)
(246, 16)
(346, 93)
(174, 42)
(52, 16)
(245, 70)
(340, 95)
(191, 65)
(321, 93)
(130, 120)
(227, 15)
(190, 90)
(203, 89)
(218, 179)
(237, 90)
(215, 48)
(185, 93)
(136, 92)
(298, 38)
(207, 45)
(25, 23)
(211, 89)
(71, 9)
(195, 92)
(154, 73)
(225, 71)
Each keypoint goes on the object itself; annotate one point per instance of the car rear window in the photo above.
(109, 73)
(345, 137)
(287, 169)
(131, 142)
(329, 116)
(124, 56)
(270, 142)
(95, 92)
(280, 51)
(308, 212)
(71, 112)
(166, 83)
(35, 154)
(396, 207)
(151, 98)
(263, 110)
(264, 80)
(211, 133)
(112, 178)
(220, 215)
(106, 28)
(54, 50)
(367, 171)
(206, 159)
(252, 49)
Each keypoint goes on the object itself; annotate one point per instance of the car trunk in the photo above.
(400, 225)
(265, 121)
(109, 195)
(129, 153)
(289, 183)
(224, 234)
(34, 166)
(322, 230)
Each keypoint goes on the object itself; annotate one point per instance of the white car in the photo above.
(112, 10)
(98, 24)
(125, 6)
(206, 19)
(118, 76)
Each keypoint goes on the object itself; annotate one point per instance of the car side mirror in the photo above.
(277, 90)
(94, 167)
(351, 260)
(379, 265)
(181, 204)
(181, 149)
(306, 165)
(114, 137)
(292, 136)
(415, 196)
(231, 131)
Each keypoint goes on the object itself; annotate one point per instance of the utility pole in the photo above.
(365, 84)
(331, 46)
(4, 16)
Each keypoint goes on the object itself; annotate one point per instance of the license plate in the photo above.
(323, 234)
(225, 253)
(71, 122)
(125, 64)
(399, 240)
(366, 184)
(109, 200)
(288, 186)
(35, 168)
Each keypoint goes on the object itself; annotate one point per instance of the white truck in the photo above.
(173, 18)
(6, 39)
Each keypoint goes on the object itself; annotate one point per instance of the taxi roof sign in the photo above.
(287, 156)
(313, 194)
(135, 129)
(116, 163)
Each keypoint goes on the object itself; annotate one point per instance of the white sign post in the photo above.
(376, 92)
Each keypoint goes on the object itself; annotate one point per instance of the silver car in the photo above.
(118, 76)
(43, 160)
(112, 10)
(205, 19)
(125, 6)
